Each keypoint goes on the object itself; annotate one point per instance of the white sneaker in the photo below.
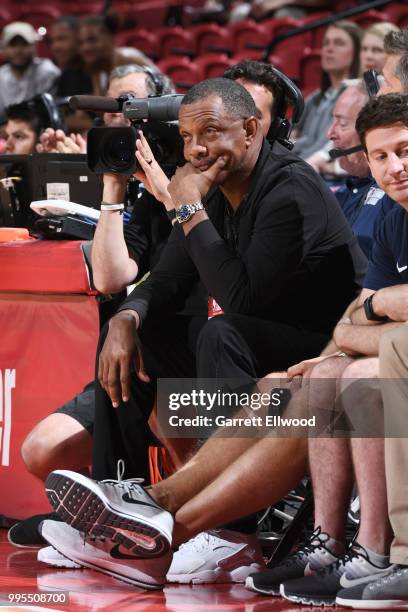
(121, 510)
(51, 556)
(216, 556)
(103, 555)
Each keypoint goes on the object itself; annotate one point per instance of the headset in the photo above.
(43, 108)
(370, 78)
(288, 94)
(157, 79)
(47, 107)
(281, 126)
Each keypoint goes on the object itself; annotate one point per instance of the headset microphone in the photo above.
(336, 153)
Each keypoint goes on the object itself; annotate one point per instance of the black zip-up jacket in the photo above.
(287, 254)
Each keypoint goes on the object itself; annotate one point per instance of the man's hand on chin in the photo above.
(190, 184)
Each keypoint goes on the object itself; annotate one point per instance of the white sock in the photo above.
(376, 558)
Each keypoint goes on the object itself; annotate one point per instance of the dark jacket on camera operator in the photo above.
(287, 254)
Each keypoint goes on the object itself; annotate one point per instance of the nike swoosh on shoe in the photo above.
(346, 583)
(126, 497)
(117, 554)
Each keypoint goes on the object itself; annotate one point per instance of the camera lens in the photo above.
(118, 151)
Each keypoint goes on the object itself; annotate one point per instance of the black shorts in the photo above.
(82, 407)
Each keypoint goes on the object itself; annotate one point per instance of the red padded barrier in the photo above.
(43, 266)
(47, 354)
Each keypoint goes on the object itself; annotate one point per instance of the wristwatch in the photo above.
(369, 310)
(186, 211)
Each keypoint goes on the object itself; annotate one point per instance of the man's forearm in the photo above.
(360, 339)
(112, 267)
(358, 317)
(332, 347)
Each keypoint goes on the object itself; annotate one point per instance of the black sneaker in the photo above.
(310, 557)
(25, 534)
(387, 593)
(353, 568)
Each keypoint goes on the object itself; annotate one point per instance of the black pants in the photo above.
(227, 346)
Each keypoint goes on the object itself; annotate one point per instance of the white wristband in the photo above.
(112, 207)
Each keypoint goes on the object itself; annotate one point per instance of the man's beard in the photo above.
(21, 66)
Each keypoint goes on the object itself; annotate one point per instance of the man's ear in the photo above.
(252, 128)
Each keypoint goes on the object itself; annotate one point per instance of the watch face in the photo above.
(183, 213)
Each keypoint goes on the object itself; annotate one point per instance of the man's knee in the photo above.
(35, 454)
(329, 368)
(216, 337)
(214, 331)
(361, 368)
(58, 441)
(220, 346)
(360, 398)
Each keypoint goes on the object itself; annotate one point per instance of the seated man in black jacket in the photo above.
(260, 235)
(121, 254)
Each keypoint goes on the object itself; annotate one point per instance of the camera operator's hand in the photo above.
(121, 349)
(189, 184)
(151, 174)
